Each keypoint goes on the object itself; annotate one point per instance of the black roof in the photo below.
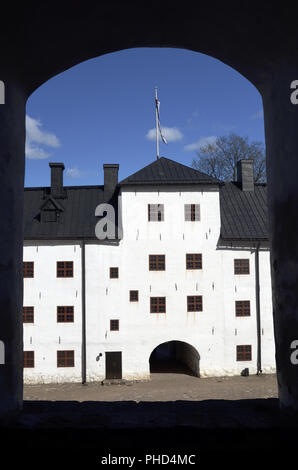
(166, 171)
(76, 215)
(243, 213)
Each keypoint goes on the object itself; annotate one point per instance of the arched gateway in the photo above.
(175, 356)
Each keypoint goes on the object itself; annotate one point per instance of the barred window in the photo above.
(64, 268)
(28, 314)
(28, 359)
(65, 314)
(241, 266)
(194, 261)
(194, 303)
(114, 325)
(192, 212)
(114, 273)
(157, 305)
(157, 262)
(28, 268)
(244, 352)
(242, 308)
(156, 212)
(134, 295)
(65, 358)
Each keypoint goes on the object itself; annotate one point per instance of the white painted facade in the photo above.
(214, 332)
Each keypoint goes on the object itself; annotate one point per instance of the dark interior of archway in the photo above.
(165, 359)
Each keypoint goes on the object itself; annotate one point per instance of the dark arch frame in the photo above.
(258, 40)
(181, 347)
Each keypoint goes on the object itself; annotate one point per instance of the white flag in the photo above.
(159, 128)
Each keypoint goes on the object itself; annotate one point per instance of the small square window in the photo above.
(114, 325)
(242, 308)
(28, 267)
(156, 212)
(65, 314)
(241, 266)
(65, 358)
(134, 295)
(28, 359)
(192, 212)
(157, 262)
(64, 268)
(114, 273)
(194, 303)
(244, 352)
(194, 261)
(28, 314)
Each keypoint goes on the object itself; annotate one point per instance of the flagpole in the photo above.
(156, 120)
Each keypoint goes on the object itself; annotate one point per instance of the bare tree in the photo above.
(219, 159)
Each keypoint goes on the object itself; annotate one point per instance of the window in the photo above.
(156, 212)
(157, 305)
(65, 358)
(157, 262)
(114, 273)
(28, 359)
(64, 268)
(28, 268)
(114, 325)
(192, 212)
(242, 308)
(194, 303)
(194, 261)
(49, 215)
(134, 295)
(241, 266)
(65, 314)
(28, 314)
(244, 353)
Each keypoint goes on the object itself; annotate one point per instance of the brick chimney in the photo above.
(110, 179)
(245, 174)
(57, 190)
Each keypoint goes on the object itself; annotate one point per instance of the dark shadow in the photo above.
(175, 357)
(89, 430)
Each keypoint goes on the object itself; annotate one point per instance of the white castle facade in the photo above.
(175, 278)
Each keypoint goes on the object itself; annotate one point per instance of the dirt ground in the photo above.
(161, 387)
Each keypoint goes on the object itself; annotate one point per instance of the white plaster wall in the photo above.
(45, 292)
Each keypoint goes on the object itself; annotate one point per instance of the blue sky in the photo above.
(102, 111)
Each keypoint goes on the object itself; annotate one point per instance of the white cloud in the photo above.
(172, 134)
(201, 142)
(36, 135)
(74, 173)
(258, 115)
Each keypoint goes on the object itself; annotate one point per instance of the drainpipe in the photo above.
(259, 366)
(83, 314)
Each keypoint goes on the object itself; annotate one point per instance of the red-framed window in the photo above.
(241, 266)
(64, 268)
(193, 261)
(28, 359)
(65, 314)
(65, 359)
(133, 295)
(242, 308)
(114, 273)
(243, 352)
(114, 325)
(157, 262)
(28, 314)
(157, 305)
(155, 212)
(192, 212)
(28, 268)
(194, 303)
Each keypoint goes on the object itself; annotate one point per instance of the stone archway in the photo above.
(176, 357)
(42, 40)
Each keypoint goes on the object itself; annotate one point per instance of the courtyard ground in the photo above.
(162, 387)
